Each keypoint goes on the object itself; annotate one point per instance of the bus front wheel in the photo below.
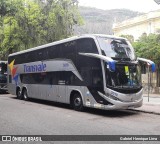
(77, 102)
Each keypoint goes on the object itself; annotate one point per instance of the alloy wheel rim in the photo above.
(77, 101)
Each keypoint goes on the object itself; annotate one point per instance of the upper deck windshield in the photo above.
(119, 49)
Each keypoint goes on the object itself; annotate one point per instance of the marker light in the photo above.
(153, 66)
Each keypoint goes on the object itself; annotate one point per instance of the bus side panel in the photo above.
(52, 92)
(11, 88)
(33, 91)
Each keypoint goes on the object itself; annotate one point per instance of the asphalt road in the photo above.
(35, 117)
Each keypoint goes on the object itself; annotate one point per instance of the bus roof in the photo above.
(66, 40)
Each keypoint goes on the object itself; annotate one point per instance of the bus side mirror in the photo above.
(151, 63)
(112, 65)
(108, 60)
(153, 67)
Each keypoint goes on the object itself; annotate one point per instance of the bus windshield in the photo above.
(3, 68)
(3, 76)
(116, 48)
(124, 76)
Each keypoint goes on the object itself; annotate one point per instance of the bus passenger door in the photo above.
(52, 87)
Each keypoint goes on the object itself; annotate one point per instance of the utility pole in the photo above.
(148, 83)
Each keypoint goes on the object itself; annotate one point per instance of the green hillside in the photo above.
(101, 21)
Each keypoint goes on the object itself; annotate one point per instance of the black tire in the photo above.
(77, 102)
(19, 94)
(25, 95)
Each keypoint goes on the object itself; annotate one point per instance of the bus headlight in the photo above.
(113, 97)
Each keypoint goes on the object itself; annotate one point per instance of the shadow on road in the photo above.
(105, 113)
(111, 113)
(3, 92)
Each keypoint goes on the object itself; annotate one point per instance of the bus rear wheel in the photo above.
(25, 95)
(19, 94)
(77, 102)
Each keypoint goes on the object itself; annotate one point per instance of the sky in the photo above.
(135, 5)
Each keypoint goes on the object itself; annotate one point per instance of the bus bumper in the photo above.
(121, 105)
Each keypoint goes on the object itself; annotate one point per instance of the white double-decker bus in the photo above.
(97, 71)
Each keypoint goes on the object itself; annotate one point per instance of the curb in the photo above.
(152, 96)
(149, 112)
(150, 108)
(152, 104)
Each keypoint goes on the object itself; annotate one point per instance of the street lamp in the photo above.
(157, 1)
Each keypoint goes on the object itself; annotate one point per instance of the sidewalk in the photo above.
(151, 106)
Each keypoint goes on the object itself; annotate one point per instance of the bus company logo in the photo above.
(13, 71)
(35, 68)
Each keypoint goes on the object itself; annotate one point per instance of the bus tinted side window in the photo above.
(41, 54)
(86, 45)
(18, 59)
(25, 58)
(53, 52)
(84, 63)
(97, 79)
(69, 78)
(69, 51)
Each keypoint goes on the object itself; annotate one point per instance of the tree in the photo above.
(149, 47)
(129, 37)
(29, 23)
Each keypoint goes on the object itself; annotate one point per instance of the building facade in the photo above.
(147, 23)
